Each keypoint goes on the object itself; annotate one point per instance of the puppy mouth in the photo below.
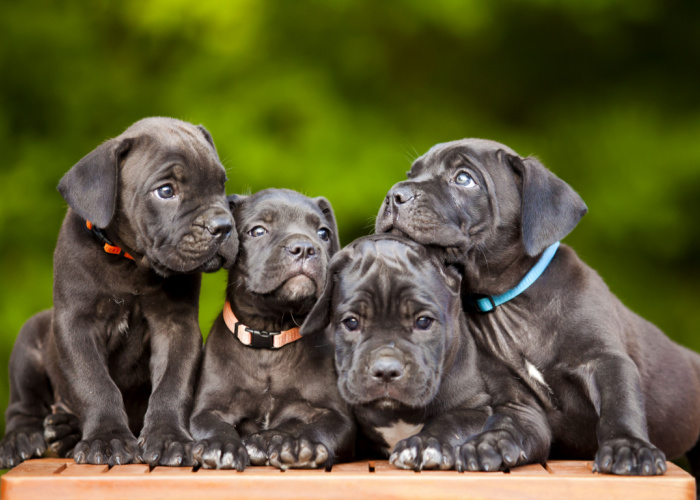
(297, 288)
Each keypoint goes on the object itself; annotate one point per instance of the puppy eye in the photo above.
(465, 180)
(257, 231)
(351, 324)
(324, 234)
(165, 192)
(424, 323)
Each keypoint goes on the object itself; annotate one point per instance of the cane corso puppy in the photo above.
(117, 355)
(262, 387)
(613, 383)
(410, 369)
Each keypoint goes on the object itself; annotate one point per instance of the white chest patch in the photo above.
(123, 326)
(536, 374)
(397, 431)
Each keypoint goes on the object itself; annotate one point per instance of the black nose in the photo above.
(400, 195)
(220, 226)
(301, 249)
(386, 369)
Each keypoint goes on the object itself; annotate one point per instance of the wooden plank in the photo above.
(572, 481)
(529, 470)
(73, 469)
(129, 470)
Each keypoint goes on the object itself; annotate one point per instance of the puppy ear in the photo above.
(320, 316)
(550, 207)
(327, 210)
(90, 186)
(452, 277)
(234, 201)
(208, 137)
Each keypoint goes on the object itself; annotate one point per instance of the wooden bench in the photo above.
(54, 479)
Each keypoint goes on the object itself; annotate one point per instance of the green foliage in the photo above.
(336, 98)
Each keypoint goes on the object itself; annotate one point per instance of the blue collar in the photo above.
(489, 302)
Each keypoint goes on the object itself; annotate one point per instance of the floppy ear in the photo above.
(550, 207)
(320, 316)
(327, 210)
(209, 138)
(234, 201)
(90, 186)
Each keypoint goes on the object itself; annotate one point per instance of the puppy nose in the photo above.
(220, 226)
(386, 369)
(301, 249)
(400, 195)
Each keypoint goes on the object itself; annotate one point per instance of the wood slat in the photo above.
(39, 479)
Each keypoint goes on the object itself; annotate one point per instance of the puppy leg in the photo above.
(106, 438)
(217, 445)
(30, 395)
(176, 345)
(62, 432)
(614, 386)
(436, 445)
(304, 438)
(516, 434)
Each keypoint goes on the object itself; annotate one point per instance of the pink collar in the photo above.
(258, 338)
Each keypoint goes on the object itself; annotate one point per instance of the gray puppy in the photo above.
(262, 387)
(411, 370)
(612, 383)
(117, 355)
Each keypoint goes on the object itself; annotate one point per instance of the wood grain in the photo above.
(57, 479)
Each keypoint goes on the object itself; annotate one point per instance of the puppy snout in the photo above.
(400, 195)
(219, 226)
(301, 249)
(386, 367)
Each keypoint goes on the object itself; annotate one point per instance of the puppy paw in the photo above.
(62, 432)
(422, 452)
(491, 451)
(629, 457)
(111, 449)
(172, 449)
(18, 446)
(221, 453)
(284, 451)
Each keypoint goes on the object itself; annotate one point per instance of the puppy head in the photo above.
(286, 241)
(158, 189)
(465, 194)
(394, 313)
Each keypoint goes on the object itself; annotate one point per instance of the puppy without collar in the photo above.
(116, 356)
(420, 390)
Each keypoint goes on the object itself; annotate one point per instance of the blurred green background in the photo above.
(336, 98)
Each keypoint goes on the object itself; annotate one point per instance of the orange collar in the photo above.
(106, 243)
(258, 338)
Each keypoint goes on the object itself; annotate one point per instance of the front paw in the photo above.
(221, 453)
(421, 452)
(172, 449)
(18, 446)
(109, 448)
(284, 451)
(62, 432)
(491, 451)
(629, 457)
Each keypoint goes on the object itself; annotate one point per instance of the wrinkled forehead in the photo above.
(438, 157)
(166, 142)
(390, 270)
(282, 207)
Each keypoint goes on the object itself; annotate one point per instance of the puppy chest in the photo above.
(397, 431)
